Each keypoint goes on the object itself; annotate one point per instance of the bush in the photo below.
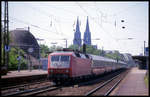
(13, 62)
(146, 79)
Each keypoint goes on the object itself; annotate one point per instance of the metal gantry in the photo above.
(5, 35)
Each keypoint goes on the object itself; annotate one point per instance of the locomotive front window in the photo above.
(55, 58)
(64, 58)
(60, 61)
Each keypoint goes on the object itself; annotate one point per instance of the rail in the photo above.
(23, 85)
(41, 89)
(104, 84)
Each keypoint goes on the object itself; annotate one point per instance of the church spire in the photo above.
(77, 35)
(77, 25)
(87, 34)
(87, 26)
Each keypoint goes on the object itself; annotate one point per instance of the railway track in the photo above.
(108, 86)
(19, 89)
(24, 85)
(35, 91)
(69, 88)
(14, 81)
(105, 87)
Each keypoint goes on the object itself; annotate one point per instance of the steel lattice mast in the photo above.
(6, 36)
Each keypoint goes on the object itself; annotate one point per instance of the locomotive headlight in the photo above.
(67, 71)
(51, 70)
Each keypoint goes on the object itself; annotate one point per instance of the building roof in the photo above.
(24, 39)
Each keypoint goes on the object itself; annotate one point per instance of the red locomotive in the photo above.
(71, 65)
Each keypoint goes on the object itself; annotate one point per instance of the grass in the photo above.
(146, 79)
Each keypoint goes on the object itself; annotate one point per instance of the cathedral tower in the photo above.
(77, 35)
(87, 34)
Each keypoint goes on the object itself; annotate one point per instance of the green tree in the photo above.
(43, 50)
(13, 53)
(54, 48)
(116, 55)
(13, 62)
(74, 47)
(2, 60)
(89, 49)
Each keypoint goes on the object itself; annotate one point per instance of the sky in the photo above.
(55, 21)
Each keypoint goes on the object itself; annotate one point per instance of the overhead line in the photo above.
(15, 19)
(92, 18)
(29, 24)
(100, 25)
(51, 15)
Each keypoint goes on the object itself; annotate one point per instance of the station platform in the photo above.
(24, 76)
(22, 73)
(133, 84)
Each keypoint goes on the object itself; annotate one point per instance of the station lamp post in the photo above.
(126, 38)
(60, 39)
(54, 43)
(143, 51)
(93, 39)
(66, 41)
(129, 38)
(38, 39)
(144, 47)
(84, 45)
(96, 39)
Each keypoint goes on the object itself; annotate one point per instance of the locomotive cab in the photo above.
(59, 66)
(60, 61)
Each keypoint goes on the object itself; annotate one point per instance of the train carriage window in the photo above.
(109, 63)
(102, 62)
